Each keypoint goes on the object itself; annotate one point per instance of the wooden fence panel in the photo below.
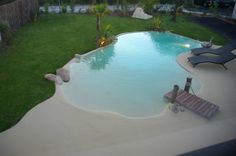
(18, 12)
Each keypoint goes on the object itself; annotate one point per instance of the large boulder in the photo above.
(139, 13)
(64, 74)
(54, 78)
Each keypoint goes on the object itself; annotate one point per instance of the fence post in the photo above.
(17, 13)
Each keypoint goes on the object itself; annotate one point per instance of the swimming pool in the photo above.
(130, 76)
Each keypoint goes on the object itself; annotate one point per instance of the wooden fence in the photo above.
(18, 12)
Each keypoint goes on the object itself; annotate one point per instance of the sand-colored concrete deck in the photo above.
(56, 128)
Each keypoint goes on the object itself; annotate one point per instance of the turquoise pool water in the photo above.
(130, 76)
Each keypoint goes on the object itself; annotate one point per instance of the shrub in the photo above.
(5, 33)
(157, 24)
(148, 5)
(72, 5)
(106, 36)
(107, 31)
(64, 8)
(33, 16)
(46, 5)
(189, 4)
(213, 8)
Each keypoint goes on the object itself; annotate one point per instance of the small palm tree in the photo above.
(99, 10)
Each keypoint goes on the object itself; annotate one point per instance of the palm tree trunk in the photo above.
(174, 13)
(98, 23)
(98, 28)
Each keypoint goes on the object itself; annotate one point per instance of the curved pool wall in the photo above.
(130, 76)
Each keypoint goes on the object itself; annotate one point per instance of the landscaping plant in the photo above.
(64, 8)
(106, 36)
(157, 24)
(148, 5)
(46, 5)
(72, 5)
(6, 34)
(99, 10)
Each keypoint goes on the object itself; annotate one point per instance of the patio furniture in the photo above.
(194, 103)
(222, 50)
(222, 59)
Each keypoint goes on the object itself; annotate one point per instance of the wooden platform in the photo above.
(194, 103)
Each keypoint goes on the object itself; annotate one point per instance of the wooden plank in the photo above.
(194, 103)
(210, 110)
(203, 105)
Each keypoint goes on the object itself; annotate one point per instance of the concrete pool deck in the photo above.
(55, 127)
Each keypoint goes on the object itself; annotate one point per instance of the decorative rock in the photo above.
(50, 77)
(59, 80)
(78, 56)
(206, 44)
(54, 78)
(64, 74)
(139, 13)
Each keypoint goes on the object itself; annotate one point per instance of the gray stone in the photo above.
(54, 78)
(50, 77)
(64, 74)
(206, 44)
(78, 56)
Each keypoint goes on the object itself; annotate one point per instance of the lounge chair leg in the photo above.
(224, 66)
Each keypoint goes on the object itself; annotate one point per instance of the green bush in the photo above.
(33, 16)
(5, 33)
(189, 4)
(64, 8)
(213, 8)
(148, 5)
(46, 5)
(157, 24)
(72, 5)
(107, 31)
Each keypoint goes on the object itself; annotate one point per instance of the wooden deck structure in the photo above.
(194, 103)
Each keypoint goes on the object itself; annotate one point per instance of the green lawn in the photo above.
(48, 44)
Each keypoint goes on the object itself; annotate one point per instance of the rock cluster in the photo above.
(63, 75)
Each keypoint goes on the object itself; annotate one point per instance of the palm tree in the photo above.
(177, 4)
(99, 10)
